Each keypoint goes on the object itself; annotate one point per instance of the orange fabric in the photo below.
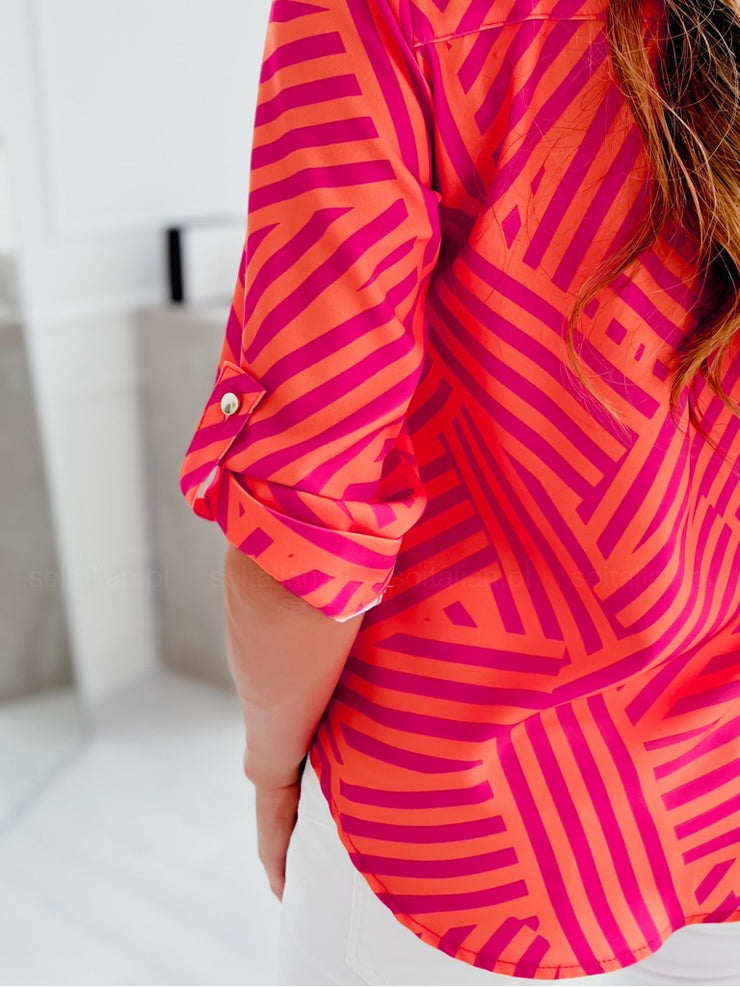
(532, 753)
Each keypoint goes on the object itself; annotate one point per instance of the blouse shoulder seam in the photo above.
(437, 39)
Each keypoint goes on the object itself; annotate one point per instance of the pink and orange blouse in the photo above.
(532, 752)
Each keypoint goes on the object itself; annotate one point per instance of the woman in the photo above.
(473, 442)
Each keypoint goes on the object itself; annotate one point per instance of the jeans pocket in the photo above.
(383, 951)
(698, 953)
(363, 944)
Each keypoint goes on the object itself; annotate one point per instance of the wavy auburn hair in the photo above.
(688, 110)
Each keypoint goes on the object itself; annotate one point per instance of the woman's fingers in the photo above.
(277, 811)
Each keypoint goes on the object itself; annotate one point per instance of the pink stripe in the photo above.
(316, 135)
(302, 50)
(470, 693)
(575, 835)
(306, 94)
(418, 724)
(290, 10)
(416, 798)
(328, 271)
(326, 177)
(411, 760)
(460, 832)
(726, 840)
(558, 898)
(610, 825)
(675, 798)
(423, 904)
(480, 863)
(631, 792)
(454, 938)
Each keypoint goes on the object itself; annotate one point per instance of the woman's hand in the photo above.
(277, 812)
(285, 659)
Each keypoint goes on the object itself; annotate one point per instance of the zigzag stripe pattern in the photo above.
(532, 752)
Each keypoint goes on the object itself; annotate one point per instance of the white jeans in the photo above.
(335, 931)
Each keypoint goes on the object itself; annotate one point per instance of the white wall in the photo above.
(159, 135)
(81, 286)
(7, 225)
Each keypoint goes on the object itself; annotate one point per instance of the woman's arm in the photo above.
(286, 657)
(302, 454)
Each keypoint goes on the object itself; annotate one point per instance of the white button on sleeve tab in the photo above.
(229, 403)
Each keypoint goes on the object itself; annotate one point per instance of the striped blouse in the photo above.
(532, 752)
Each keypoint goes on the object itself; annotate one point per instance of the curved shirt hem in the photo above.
(519, 968)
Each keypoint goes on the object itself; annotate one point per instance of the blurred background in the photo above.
(128, 851)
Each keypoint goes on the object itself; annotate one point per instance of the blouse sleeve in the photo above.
(301, 454)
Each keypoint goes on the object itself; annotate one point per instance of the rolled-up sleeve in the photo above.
(302, 455)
